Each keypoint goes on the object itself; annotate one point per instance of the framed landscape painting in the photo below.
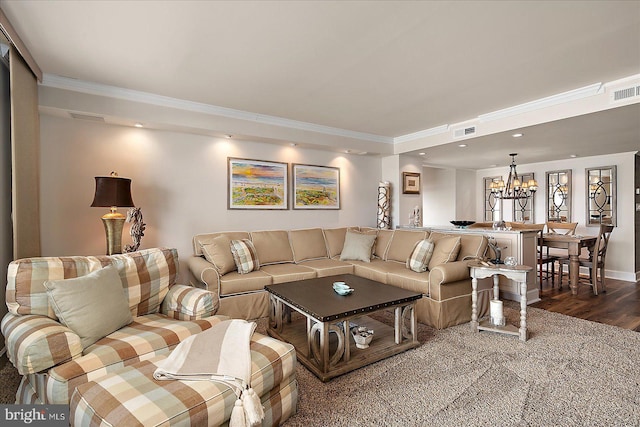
(316, 187)
(256, 184)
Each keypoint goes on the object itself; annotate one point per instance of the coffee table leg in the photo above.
(398, 325)
(276, 311)
(310, 337)
(324, 347)
(347, 341)
(414, 323)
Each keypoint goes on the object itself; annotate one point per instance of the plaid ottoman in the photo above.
(132, 397)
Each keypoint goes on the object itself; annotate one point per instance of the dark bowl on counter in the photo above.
(462, 224)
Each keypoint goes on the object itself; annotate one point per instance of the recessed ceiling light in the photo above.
(517, 135)
(573, 156)
(138, 125)
(422, 154)
(462, 145)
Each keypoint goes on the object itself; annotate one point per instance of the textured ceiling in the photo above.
(382, 68)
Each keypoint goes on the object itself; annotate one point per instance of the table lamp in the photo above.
(113, 192)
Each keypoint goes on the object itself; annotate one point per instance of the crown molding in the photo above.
(98, 89)
(560, 98)
(421, 134)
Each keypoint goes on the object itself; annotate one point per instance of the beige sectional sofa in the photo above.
(289, 255)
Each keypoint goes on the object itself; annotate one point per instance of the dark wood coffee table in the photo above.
(322, 338)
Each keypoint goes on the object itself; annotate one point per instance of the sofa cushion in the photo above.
(93, 306)
(419, 259)
(472, 246)
(282, 273)
(235, 283)
(273, 246)
(382, 243)
(376, 269)
(357, 246)
(445, 250)
(245, 256)
(334, 238)
(207, 238)
(308, 244)
(402, 244)
(329, 267)
(144, 338)
(146, 276)
(218, 253)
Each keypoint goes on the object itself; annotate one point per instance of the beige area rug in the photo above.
(571, 372)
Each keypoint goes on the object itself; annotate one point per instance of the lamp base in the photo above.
(113, 225)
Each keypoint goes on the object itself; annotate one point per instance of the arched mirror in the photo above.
(601, 195)
(559, 196)
(523, 207)
(491, 202)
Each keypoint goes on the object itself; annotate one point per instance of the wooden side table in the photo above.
(517, 273)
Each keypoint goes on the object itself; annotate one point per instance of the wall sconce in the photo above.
(113, 192)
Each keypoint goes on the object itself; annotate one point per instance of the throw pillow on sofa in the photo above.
(245, 256)
(357, 246)
(445, 250)
(92, 306)
(218, 253)
(419, 259)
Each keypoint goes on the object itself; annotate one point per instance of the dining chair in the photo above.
(568, 228)
(596, 260)
(543, 258)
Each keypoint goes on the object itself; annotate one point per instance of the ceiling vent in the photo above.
(80, 116)
(625, 93)
(464, 132)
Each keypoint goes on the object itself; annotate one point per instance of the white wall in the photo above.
(620, 254)
(448, 194)
(409, 201)
(465, 195)
(439, 196)
(179, 181)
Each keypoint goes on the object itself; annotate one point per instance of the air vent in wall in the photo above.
(626, 93)
(459, 133)
(86, 117)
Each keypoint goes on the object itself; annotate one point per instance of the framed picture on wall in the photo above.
(315, 187)
(410, 183)
(257, 184)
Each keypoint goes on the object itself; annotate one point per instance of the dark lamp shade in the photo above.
(112, 191)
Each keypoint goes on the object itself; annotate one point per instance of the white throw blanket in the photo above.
(221, 353)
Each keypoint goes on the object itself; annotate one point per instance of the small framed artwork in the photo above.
(256, 184)
(410, 183)
(316, 187)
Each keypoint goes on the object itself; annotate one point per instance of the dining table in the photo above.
(573, 244)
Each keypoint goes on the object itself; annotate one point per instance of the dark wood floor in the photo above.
(619, 306)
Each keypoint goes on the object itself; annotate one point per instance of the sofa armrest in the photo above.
(204, 273)
(188, 303)
(449, 272)
(36, 343)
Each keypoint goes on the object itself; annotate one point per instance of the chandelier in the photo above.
(515, 189)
